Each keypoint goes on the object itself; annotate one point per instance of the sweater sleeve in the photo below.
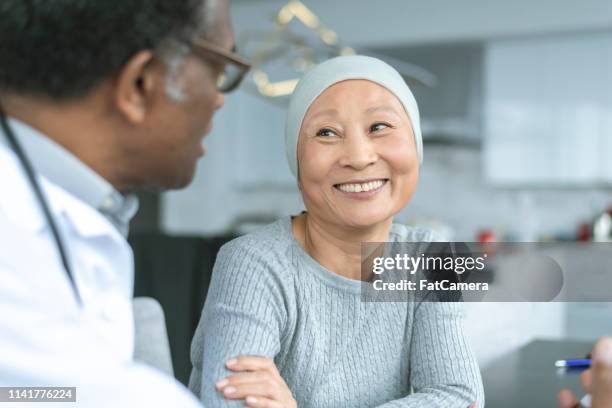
(244, 314)
(444, 371)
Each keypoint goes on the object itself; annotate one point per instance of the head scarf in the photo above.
(340, 69)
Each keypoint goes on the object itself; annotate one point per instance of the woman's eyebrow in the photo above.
(383, 108)
(325, 112)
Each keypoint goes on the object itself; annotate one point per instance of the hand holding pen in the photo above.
(597, 380)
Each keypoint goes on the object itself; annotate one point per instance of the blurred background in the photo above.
(516, 105)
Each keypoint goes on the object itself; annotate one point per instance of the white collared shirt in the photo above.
(61, 167)
(46, 339)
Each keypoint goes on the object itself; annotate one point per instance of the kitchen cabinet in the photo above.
(548, 110)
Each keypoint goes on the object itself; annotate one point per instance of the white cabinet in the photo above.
(606, 136)
(548, 110)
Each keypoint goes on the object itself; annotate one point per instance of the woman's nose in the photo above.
(359, 152)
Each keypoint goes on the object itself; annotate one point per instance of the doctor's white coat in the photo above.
(46, 339)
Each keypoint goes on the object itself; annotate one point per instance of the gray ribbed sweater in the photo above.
(269, 297)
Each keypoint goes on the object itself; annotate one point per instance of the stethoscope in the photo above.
(27, 166)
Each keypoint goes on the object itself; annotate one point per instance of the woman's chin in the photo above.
(363, 221)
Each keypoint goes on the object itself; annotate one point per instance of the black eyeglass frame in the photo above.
(205, 48)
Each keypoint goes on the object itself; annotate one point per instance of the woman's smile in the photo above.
(363, 189)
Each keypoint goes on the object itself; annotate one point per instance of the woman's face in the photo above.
(357, 158)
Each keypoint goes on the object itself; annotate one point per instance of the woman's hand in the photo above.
(258, 382)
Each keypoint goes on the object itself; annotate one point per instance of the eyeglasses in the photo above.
(234, 66)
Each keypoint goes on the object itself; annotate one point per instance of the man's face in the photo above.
(176, 125)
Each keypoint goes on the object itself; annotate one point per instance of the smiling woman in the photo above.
(291, 292)
(358, 162)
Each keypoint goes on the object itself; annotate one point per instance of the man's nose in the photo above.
(359, 151)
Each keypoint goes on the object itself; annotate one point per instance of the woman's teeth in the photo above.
(360, 187)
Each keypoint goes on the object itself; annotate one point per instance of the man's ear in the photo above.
(135, 86)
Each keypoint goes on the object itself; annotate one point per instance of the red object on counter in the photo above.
(485, 236)
(584, 232)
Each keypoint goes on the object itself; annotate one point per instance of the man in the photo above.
(597, 381)
(101, 97)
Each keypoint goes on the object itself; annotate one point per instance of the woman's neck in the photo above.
(336, 248)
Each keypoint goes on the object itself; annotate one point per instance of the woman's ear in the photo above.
(135, 87)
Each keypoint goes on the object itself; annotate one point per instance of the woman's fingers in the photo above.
(251, 363)
(248, 377)
(257, 381)
(261, 384)
(259, 402)
(243, 390)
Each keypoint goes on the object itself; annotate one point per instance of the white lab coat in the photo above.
(45, 338)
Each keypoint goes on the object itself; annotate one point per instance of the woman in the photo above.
(291, 291)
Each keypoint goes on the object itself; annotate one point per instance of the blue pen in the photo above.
(578, 362)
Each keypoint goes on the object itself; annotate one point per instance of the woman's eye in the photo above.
(325, 132)
(378, 126)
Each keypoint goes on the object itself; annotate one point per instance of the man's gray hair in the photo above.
(174, 54)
